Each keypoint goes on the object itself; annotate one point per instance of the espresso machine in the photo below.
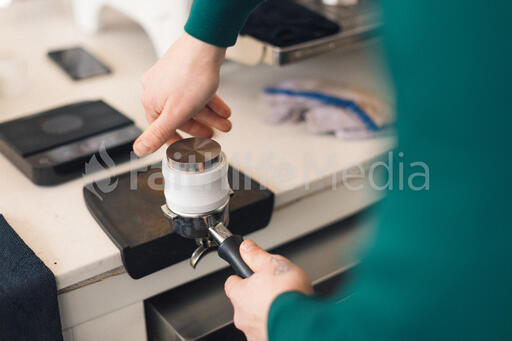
(197, 195)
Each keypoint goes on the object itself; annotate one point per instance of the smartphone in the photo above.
(78, 63)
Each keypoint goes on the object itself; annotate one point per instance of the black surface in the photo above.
(229, 250)
(283, 23)
(132, 218)
(28, 294)
(24, 141)
(78, 63)
(48, 129)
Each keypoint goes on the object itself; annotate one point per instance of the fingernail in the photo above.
(226, 112)
(248, 245)
(141, 148)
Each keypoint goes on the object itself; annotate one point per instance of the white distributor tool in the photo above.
(197, 195)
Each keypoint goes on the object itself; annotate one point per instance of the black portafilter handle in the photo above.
(229, 248)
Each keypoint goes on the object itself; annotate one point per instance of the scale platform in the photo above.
(133, 220)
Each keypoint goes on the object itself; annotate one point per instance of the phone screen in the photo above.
(78, 63)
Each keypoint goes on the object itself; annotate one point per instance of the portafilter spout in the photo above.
(197, 195)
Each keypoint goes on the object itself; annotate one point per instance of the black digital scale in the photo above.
(52, 147)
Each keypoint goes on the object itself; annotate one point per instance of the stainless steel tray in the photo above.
(359, 23)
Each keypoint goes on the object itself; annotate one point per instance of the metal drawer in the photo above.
(200, 310)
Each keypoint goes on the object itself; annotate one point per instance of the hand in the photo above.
(179, 93)
(252, 297)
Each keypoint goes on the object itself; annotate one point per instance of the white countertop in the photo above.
(54, 221)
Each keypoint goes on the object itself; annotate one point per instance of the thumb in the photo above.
(231, 284)
(254, 256)
(161, 130)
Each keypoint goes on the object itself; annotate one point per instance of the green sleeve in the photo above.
(218, 22)
(439, 268)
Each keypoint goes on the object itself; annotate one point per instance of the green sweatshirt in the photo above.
(440, 267)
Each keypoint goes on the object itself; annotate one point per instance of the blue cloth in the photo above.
(329, 100)
(28, 293)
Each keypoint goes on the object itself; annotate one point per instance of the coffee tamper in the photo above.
(197, 195)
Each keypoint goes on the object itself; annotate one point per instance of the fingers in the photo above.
(211, 119)
(173, 139)
(148, 103)
(219, 106)
(163, 125)
(151, 115)
(195, 128)
(254, 256)
(162, 129)
(231, 284)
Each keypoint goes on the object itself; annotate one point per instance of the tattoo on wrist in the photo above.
(282, 267)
